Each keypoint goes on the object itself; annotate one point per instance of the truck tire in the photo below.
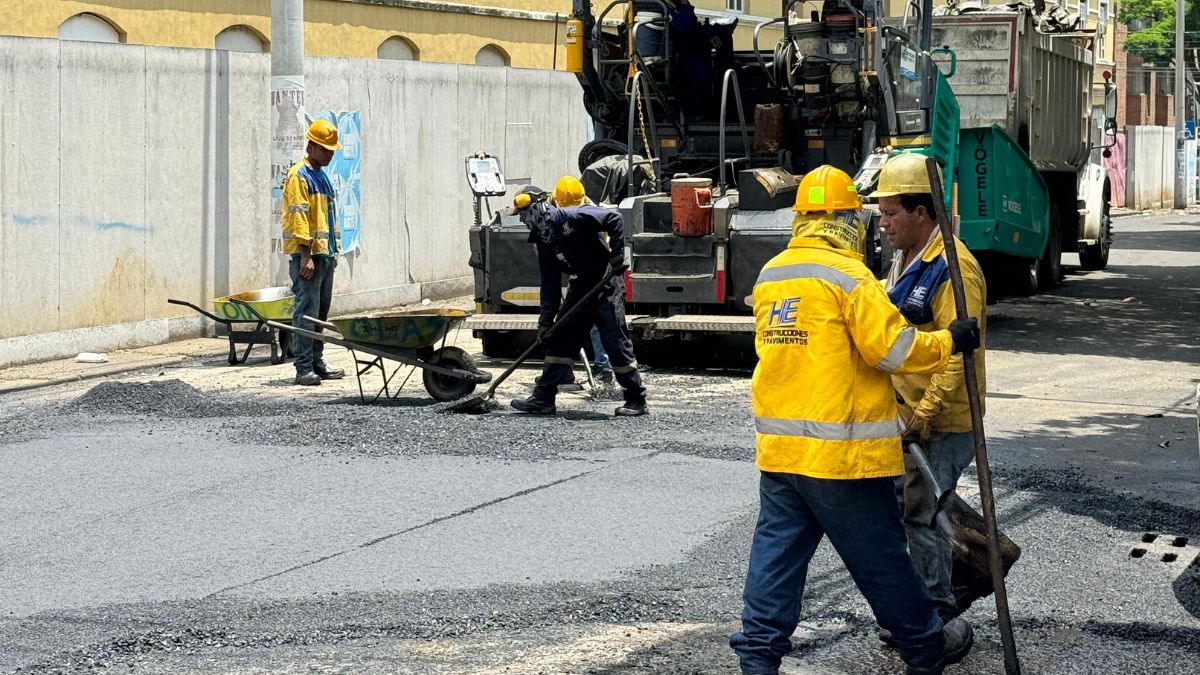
(1025, 276)
(1095, 256)
(1049, 266)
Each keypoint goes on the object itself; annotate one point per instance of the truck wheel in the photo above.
(1026, 276)
(1050, 272)
(444, 387)
(1095, 256)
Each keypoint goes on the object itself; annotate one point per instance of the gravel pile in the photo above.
(165, 398)
(580, 428)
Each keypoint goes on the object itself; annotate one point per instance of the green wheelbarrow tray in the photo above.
(275, 303)
(406, 337)
(404, 329)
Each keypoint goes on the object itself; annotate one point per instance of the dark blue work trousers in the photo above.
(862, 520)
(606, 313)
(313, 298)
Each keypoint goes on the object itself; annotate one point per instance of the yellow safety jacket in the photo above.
(309, 217)
(923, 293)
(828, 339)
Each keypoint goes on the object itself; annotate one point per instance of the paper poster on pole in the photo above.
(345, 174)
(287, 136)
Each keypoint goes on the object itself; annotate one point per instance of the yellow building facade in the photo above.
(519, 33)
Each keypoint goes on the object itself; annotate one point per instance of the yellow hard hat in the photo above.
(826, 189)
(324, 134)
(903, 175)
(568, 191)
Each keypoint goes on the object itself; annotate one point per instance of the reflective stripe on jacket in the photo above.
(828, 339)
(925, 298)
(308, 210)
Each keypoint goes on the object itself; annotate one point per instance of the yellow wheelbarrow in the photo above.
(269, 304)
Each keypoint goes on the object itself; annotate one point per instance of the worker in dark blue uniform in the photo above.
(570, 240)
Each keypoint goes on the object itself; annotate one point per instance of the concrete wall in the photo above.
(133, 174)
(1150, 168)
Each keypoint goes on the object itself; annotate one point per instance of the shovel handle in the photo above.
(562, 318)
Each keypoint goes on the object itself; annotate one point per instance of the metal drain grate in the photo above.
(1166, 548)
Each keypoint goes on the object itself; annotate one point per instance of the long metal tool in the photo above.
(1012, 665)
(479, 403)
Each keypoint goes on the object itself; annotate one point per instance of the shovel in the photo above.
(964, 528)
(482, 403)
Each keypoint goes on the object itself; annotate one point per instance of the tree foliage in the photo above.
(1154, 40)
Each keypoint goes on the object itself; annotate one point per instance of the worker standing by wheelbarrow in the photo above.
(828, 437)
(310, 235)
(936, 407)
(568, 238)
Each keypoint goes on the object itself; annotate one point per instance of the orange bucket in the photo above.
(691, 206)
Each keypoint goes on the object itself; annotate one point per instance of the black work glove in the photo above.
(541, 332)
(617, 263)
(965, 333)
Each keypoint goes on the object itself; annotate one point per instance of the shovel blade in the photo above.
(965, 530)
(471, 405)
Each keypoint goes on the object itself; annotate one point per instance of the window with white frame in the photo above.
(738, 6)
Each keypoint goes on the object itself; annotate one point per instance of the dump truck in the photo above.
(1025, 101)
(843, 81)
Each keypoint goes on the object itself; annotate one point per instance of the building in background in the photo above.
(519, 33)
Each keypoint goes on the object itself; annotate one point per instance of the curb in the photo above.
(94, 374)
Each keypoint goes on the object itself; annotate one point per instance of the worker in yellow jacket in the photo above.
(310, 235)
(828, 435)
(935, 406)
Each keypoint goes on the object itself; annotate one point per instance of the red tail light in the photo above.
(628, 285)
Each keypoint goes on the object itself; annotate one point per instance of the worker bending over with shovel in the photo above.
(569, 240)
(828, 435)
(935, 406)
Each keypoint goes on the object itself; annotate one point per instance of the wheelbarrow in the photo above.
(410, 338)
(274, 304)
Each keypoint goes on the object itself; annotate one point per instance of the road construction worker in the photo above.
(828, 435)
(935, 406)
(569, 240)
(310, 235)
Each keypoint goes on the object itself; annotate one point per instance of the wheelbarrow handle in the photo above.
(214, 317)
(322, 324)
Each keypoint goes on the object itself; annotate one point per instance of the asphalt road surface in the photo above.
(208, 518)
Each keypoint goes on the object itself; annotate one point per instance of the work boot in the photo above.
(534, 406)
(309, 379)
(635, 406)
(945, 612)
(959, 638)
(329, 373)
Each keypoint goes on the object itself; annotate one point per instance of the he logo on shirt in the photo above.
(783, 312)
(781, 324)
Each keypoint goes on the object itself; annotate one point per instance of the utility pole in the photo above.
(287, 113)
(1181, 191)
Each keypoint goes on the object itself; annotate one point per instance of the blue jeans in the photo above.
(948, 454)
(862, 520)
(313, 297)
(600, 361)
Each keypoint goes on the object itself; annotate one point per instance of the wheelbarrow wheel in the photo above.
(444, 387)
